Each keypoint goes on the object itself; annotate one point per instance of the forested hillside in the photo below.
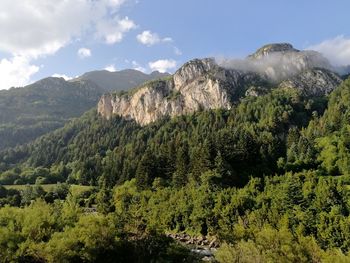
(267, 179)
(248, 140)
(136, 131)
(26, 113)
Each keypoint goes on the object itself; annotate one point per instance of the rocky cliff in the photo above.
(190, 89)
(313, 82)
(208, 84)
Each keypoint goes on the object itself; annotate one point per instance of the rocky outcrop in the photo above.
(313, 82)
(272, 48)
(256, 91)
(189, 90)
(207, 84)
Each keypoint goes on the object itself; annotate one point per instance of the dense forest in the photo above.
(268, 179)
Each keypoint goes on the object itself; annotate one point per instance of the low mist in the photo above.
(279, 65)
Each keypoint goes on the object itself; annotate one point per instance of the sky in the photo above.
(66, 38)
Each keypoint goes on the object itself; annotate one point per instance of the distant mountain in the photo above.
(28, 112)
(120, 80)
(31, 111)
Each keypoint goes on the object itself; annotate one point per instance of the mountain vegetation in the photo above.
(29, 112)
(268, 177)
(264, 180)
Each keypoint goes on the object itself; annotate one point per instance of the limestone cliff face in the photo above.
(189, 90)
(205, 84)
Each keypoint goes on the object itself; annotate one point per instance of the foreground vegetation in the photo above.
(292, 218)
(268, 179)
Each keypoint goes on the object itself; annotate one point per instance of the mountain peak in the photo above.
(273, 48)
(193, 69)
(49, 81)
(120, 80)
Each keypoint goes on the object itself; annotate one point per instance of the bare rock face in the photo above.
(192, 70)
(256, 91)
(313, 82)
(203, 84)
(145, 105)
(189, 90)
(273, 48)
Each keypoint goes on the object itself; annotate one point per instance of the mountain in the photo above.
(315, 82)
(120, 80)
(200, 87)
(28, 112)
(250, 135)
(280, 61)
(208, 84)
(255, 166)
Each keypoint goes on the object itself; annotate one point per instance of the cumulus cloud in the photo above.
(337, 50)
(31, 29)
(162, 65)
(84, 53)
(16, 72)
(149, 39)
(39, 27)
(62, 76)
(112, 31)
(111, 68)
(116, 3)
(138, 67)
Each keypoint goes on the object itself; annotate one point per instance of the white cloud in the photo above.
(62, 76)
(111, 68)
(167, 39)
(31, 29)
(337, 50)
(162, 65)
(138, 67)
(177, 51)
(84, 53)
(149, 39)
(38, 27)
(112, 31)
(116, 3)
(16, 72)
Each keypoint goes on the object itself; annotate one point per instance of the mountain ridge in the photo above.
(119, 80)
(210, 84)
(47, 104)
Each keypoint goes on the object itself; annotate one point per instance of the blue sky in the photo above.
(40, 38)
